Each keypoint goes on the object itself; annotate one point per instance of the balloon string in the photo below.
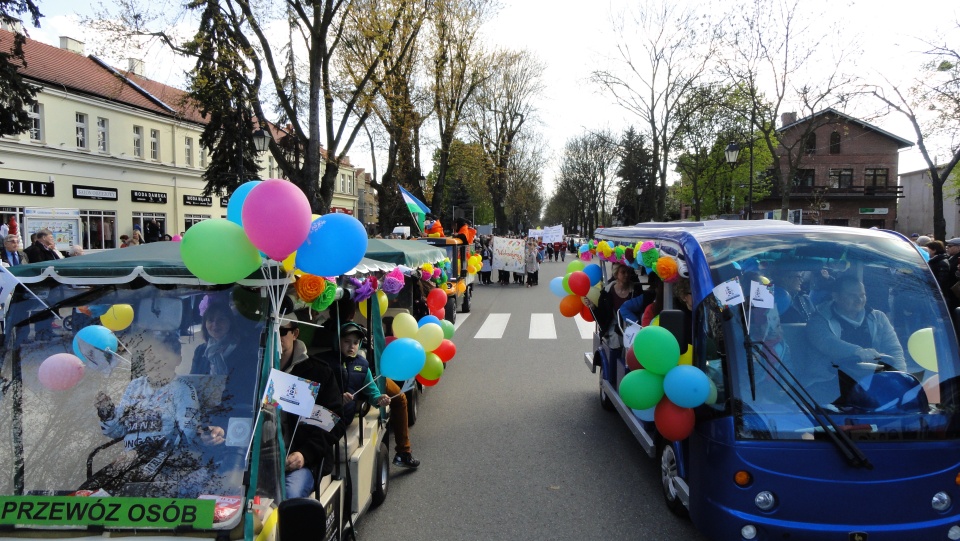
(366, 385)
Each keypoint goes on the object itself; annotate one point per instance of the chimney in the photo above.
(787, 118)
(71, 45)
(135, 66)
(12, 25)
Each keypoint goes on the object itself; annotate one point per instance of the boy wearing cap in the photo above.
(357, 380)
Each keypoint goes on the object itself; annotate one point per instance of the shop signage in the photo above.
(154, 513)
(26, 187)
(874, 211)
(224, 201)
(198, 200)
(93, 192)
(342, 210)
(138, 196)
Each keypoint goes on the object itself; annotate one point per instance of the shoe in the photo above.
(406, 460)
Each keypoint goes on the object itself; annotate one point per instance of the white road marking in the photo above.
(460, 319)
(542, 327)
(493, 326)
(585, 327)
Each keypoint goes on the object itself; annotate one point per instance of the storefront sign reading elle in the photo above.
(93, 192)
(138, 196)
(198, 200)
(26, 187)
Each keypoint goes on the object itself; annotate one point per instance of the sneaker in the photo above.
(406, 460)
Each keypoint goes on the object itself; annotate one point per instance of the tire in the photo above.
(413, 405)
(605, 401)
(382, 482)
(450, 311)
(668, 472)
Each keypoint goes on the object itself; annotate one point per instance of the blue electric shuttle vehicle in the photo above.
(809, 436)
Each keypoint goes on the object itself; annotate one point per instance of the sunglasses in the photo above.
(285, 330)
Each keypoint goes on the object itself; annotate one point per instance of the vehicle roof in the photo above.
(718, 229)
(410, 253)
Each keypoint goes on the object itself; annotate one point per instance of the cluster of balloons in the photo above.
(581, 281)
(62, 371)
(663, 390)
(474, 263)
(272, 218)
(418, 349)
(642, 254)
(437, 303)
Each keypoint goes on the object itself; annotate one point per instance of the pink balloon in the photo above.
(176, 238)
(276, 217)
(61, 371)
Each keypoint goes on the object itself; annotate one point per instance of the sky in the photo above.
(573, 38)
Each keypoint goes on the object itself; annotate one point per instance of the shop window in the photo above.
(190, 220)
(141, 219)
(17, 213)
(99, 229)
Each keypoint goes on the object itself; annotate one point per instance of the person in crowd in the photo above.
(531, 262)
(166, 237)
(137, 237)
(620, 289)
(312, 448)
(922, 241)
(357, 383)
(550, 252)
(953, 261)
(845, 328)
(560, 250)
(486, 260)
(124, 241)
(643, 308)
(12, 255)
(44, 248)
(465, 230)
(799, 308)
(151, 230)
(226, 351)
(939, 264)
(75, 250)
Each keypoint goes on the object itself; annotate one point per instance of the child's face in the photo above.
(350, 345)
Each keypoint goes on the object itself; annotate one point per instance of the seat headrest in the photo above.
(159, 314)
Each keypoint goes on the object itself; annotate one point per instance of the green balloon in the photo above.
(433, 368)
(448, 329)
(575, 265)
(656, 349)
(566, 285)
(641, 389)
(219, 252)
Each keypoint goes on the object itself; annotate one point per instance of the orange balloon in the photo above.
(570, 305)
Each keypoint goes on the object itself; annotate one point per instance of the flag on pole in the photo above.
(416, 207)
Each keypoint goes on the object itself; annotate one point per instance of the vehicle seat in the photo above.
(795, 336)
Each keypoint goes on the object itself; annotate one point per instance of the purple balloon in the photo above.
(276, 218)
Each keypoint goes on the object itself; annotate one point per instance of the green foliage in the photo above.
(636, 173)
(16, 94)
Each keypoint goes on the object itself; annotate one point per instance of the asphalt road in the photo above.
(514, 444)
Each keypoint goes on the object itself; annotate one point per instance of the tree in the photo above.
(503, 107)
(469, 168)
(524, 199)
(665, 52)
(15, 93)
(587, 169)
(637, 178)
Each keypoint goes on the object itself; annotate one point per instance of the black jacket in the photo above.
(37, 252)
(315, 444)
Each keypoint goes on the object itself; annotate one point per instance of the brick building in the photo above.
(847, 171)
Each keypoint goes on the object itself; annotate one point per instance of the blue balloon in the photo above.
(335, 244)
(428, 319)
(583, 248)
(645, 415)
(781, 299)
(594, 272)
(235, 206)
(97, 336)
(556, 287)
(402, 359)
(686, 386)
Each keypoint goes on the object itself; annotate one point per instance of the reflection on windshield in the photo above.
(855, 323)
(168, 413)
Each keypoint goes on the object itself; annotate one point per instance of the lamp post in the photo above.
(639, 194)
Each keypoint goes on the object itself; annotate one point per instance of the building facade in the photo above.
(916, 208)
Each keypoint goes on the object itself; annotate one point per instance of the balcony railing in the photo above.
(844, 193)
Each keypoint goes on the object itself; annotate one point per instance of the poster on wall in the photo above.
(507, 254)
(63, 223)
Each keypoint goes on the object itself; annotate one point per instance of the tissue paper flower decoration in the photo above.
(667, 269)
(326, 298)
(365, 291)
(393, 282)
(650, 257)
(309, 287)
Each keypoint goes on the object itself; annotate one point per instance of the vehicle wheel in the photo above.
(450, 311)
(605, 402)
(383, 474)
(413, 405)
(67, 323)
(465, 307)
(668, 473)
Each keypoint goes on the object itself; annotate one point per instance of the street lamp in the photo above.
(639, 194)
(732, 153)
(261, 139)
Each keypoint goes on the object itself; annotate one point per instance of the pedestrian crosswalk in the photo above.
(538, 327)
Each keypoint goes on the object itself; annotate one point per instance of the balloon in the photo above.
(235, 206)
(594, 272)
(289, 263)
(922, 348)
(448, 329)
(461, 286)
(566, 284)
(405, 326)
(382, 303)
(276, 217)
(118, 317)
(432, 367)
(645, 415)
(436, 299)
(575, 265)
(632, 362)
(427, 382)
(712, 396)
(176, 238)
(446, 350)
(556, 287)
(388, 339)
(60, 371)
(586, 314)
(570, 305)
(579, 283)
(641, 389)
(219, 252)
(673, 422)
(402, 359)
(428, 319)
(471, 269)
(686, 358)
(440, 314)
(686, 386)
(656, 349)
(97, 336)
(594, 294)
(335, 244)
(932, 387)
(430, 336)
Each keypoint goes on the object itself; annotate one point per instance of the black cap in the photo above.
(351, 327)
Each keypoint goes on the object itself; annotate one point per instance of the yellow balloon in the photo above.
(405, 326)
(290, 262)
(712, 394)
(382, 302)
(922, 349)
(461, 286)
(687, 357)
(362, 306)
(594, 294)
(655, 322)
(430, 336)
(118, 317)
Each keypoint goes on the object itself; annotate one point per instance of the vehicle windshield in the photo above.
(161, 405)
(836, 332)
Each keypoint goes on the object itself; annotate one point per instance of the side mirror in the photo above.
(301, 518)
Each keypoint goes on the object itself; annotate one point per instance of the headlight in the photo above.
(941, 501)
(765, 500)
(748, 532)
